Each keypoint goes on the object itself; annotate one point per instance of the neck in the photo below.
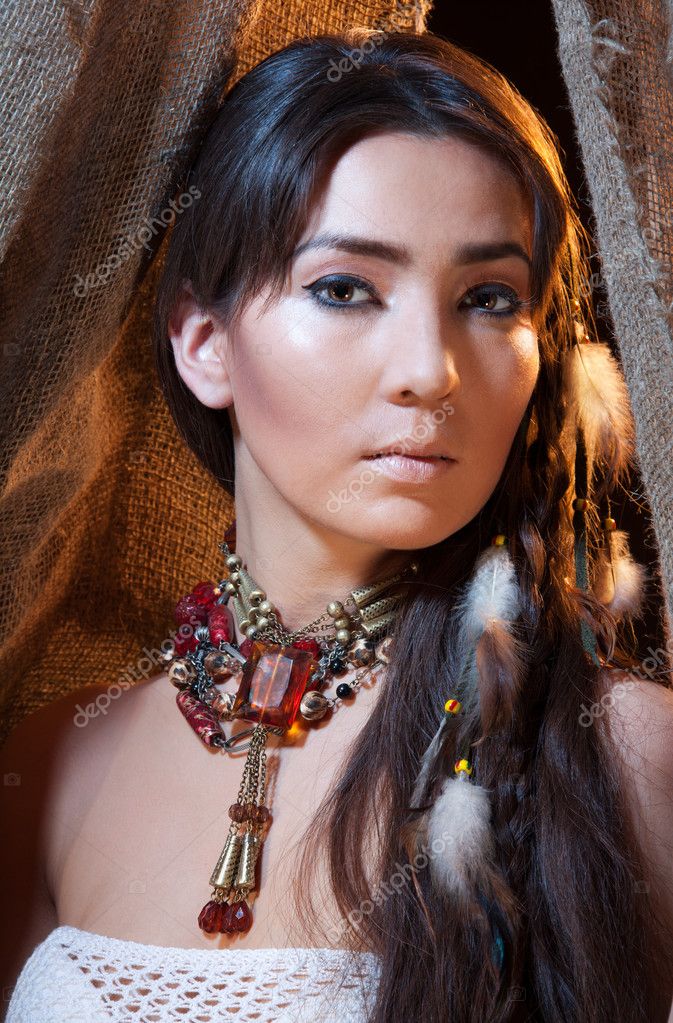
(301, 572)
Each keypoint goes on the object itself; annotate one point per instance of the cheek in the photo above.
(505, 385)
(292, 401)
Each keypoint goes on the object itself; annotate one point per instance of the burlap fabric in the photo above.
(105, 516)
(616, 61)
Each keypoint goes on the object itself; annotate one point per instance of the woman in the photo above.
(383, 256)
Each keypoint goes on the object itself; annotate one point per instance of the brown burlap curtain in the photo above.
(105, 516)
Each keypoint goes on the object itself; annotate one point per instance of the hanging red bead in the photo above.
(237, 917)
(211, 917)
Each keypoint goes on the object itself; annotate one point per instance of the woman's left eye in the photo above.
(340, 290)
(491, 293)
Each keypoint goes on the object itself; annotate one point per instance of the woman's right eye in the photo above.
(340, 290)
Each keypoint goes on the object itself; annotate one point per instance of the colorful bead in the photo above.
(344, 691)
(452, 706)
(499, 540)
(609, 524)
(185, 644)
(383, 650)
(189, 611)
(362, 652)
(211, 917)
(580, 504)
(239, 812)
(203, 720)
(313, 705)
(260, 814)
(237, 917)
(220, 625)
(181, 672)
(204, 594)
(462, 765)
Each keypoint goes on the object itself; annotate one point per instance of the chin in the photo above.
(410, 528)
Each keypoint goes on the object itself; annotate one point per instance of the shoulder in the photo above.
(640, 724)
(53, 758)
(640, 719)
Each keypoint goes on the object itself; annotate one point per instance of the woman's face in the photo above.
(397, 326)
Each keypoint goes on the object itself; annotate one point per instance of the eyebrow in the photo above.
(470, 252)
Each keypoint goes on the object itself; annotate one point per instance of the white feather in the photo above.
(493, 592)
(620, 583)
(599, 396)
(460, 839)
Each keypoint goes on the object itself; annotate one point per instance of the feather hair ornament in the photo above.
(492, 668)
(619, 581)
(598, 397)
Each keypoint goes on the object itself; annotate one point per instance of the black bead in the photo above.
(343, 691)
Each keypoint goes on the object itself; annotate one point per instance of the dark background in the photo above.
(520, 40)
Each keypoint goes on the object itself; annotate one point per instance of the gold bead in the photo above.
(265, 607)
(263, 622)
(343, 623)
(257, 596)
(251, 632)
(313, 705)
(335, 609)
(235, 577)
(343, 636)
(233, 561)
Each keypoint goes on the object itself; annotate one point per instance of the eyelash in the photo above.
(324, 282)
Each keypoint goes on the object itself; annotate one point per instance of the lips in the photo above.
(399, 454)
(410, 454)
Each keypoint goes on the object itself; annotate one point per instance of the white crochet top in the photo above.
(75, 976)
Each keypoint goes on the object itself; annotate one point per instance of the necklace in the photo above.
(280, 674)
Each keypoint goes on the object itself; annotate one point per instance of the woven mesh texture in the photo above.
(616, 61)
(106, 517)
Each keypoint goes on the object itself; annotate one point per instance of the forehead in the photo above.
(431, 193)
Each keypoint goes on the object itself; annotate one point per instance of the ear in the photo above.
(199, 347)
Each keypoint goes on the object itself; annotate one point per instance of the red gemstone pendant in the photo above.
(273, 681)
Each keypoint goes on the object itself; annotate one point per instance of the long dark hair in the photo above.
(581, 943)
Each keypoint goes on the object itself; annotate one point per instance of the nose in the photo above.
(420, 359)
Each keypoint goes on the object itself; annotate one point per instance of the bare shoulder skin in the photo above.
(125, 813)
